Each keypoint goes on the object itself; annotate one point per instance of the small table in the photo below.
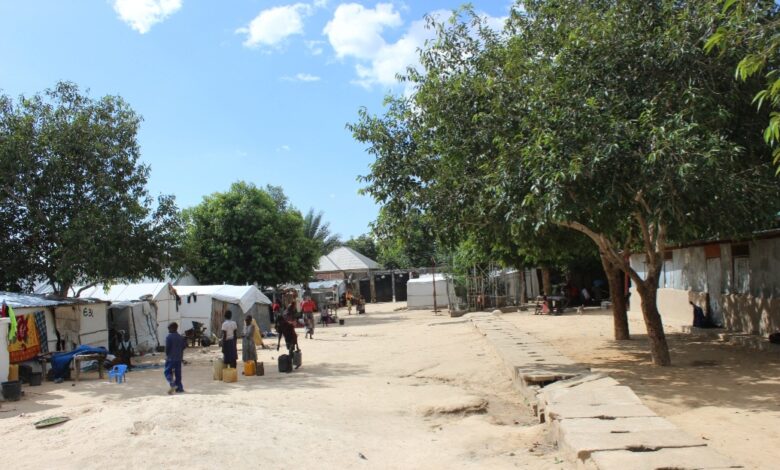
(78, 359)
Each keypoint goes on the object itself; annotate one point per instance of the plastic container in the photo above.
(36, 378)
(250, 368)
(218, 366)
(12, 390)
(229, 375)
(13, 372)
(341, 321)
(260, 369)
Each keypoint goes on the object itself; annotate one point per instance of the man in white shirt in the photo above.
(229, 345)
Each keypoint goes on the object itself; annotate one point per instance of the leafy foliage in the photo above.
(603, 117)
(753, 28)
(319, 232)
(73, 200)
(244, 236)
(363, 244)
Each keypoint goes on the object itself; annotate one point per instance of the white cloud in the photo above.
(302, 77)
(283, 148)
(272, 26)
(141, 15)
(356, 31)
(315, 47)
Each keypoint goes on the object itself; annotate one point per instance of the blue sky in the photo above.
(252, 90)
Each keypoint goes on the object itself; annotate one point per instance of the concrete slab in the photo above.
(616, 395)
(569, 411)
(581, 379)
(596, 425)
(688, 458)
(580, 445)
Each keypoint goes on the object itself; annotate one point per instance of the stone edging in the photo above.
(596, 422)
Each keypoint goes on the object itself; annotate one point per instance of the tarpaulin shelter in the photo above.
(325, 292)
(419, 292)
(208, 304)
(42, 320)
(143, 310)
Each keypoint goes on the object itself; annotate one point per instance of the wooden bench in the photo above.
(79, 358)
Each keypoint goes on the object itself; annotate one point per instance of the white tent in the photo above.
(154, 304)
(419, 292)
(208, 304)
(136, 318)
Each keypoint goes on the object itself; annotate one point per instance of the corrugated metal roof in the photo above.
(17, 300)
(345, 259)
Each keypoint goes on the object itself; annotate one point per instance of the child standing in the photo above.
(174, 354)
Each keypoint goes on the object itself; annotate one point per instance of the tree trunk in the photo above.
(648, 291)
(619, 313)
(521, 273)
(546, 287)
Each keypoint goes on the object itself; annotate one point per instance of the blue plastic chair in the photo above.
(118, 373)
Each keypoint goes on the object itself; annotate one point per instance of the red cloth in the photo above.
(307, 306)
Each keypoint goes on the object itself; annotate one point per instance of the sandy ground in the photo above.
(726, 394)
(391, 389)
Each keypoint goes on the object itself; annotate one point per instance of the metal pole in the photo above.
(435, 307)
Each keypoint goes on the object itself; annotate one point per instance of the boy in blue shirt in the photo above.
(174, 354)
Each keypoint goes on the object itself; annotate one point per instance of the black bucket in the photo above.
(36, 378)
(341, 321)
(12, 391)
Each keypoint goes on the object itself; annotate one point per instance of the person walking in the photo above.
(307, 307)
(174, 355)
(229, 346)
(287, 330)
(248, 346)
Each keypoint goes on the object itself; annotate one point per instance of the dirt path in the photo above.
(726, 394)
(387, 390)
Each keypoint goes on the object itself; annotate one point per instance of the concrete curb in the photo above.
(597, 423)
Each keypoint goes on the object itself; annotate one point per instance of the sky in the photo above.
(251, 90)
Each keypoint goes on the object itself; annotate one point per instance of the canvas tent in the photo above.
(419, 291)
(322, 292)
(144, 311)
(208, 304)
(41, 320)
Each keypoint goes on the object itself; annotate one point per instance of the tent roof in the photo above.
(345, 259)
(244, 296)
(425, 278)
(17, 300)
(325, 284)
(128, 292)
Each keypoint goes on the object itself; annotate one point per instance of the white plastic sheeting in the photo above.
(419, 292)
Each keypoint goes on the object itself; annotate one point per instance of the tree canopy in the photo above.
(74, 207)
(754, 27)
(245, 235)
(607, 118)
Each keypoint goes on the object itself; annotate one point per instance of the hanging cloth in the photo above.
(12, 330)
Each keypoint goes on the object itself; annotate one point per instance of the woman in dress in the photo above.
(229, 346)
(248, 347)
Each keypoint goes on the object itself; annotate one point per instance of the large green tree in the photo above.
(363, 244)
(74, 207)
(245, 235)
(754, 27)
(603, 117)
